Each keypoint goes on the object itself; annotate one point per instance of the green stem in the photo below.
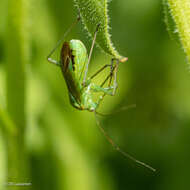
(2, 161)
(180, 10)
(16, 54)
(6, 122)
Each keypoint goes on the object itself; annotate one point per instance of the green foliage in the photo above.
(6, 123)
(179, 10)
(65, 148)
(3, 162)
(169, 21)
(95, 13)
(16, 56)
(16, 51)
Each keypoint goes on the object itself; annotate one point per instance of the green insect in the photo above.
(74, 64)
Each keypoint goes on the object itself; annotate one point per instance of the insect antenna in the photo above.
(124, 108)
(90, 54)
(117, 148)
(65, 34)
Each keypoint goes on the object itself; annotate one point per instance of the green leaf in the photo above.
(93, 13)
(180, 13)
(170, 23)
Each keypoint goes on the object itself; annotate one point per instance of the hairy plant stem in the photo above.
(180, 11)
(95, 13)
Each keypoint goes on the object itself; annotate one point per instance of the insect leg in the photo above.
(97, 88)
(110, 90)
(59, 42)
(90, 54)
(53, 61)
(110, 75)
(117, 148)
(100, 70)
(115, 77)
(113, 73)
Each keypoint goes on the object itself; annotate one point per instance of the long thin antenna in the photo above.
(65, 34)
(124, 108)
(116, 147)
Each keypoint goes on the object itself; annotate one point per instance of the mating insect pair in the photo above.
(74, 64)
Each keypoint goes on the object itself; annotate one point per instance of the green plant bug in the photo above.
(74, 64)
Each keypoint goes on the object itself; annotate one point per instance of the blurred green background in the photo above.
(65, 149)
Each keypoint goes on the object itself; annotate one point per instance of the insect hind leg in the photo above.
(112, 74)
(100, 70)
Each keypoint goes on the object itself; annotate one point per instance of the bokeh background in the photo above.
(64, 146)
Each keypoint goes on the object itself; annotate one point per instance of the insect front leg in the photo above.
(114, 72)
(112, 75)
(97, 88)
(110, 90)
(100, 70)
